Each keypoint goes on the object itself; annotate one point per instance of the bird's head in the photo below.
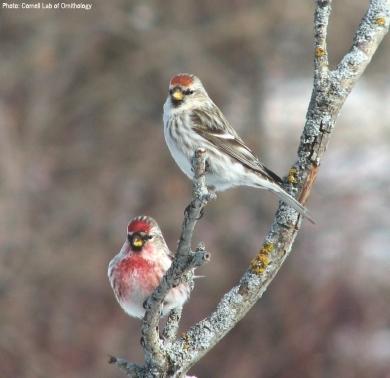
(185, 88)
(142, 230)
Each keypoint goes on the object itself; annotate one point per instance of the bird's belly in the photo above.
(181, 157)
(176, 297)
(225, 173)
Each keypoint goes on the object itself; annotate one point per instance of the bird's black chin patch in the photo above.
(137, 241)
(176, 103)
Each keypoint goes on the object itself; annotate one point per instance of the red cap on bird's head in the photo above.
(141, 224)
(183, 80)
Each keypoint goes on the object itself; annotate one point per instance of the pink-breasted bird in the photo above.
(192, 120)
(136, 271)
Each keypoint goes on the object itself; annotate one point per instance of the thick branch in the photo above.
(330, 93)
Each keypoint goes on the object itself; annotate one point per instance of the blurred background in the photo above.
(82, 151)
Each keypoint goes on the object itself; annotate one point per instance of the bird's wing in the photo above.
(217, 131)
(171, 255)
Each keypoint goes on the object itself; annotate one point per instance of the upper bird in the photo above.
(136, 271)
(192, 120)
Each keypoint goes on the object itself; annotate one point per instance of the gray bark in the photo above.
(171, 357)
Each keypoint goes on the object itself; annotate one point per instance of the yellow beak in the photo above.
(137, 242)
(177, 95)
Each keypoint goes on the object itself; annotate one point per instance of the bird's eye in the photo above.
(188, 92)
(170, 91)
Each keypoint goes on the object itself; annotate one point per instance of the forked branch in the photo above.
(330, 90)
(156, 348)
(173, 358)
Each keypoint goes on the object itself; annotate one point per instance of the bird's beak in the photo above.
(138, 243)
(177, 94)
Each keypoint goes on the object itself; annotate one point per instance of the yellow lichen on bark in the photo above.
(259, 264)
(292, 176)
(319, 52)
(380, 21)
(186, 344)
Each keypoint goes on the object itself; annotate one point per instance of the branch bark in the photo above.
(330, 90)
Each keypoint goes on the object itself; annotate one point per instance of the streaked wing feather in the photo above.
(224, 137)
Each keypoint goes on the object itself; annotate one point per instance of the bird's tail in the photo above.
(290, 200)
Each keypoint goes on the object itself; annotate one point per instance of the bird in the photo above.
(136, 271)
(192, 120)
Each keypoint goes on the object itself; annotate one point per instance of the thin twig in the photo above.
(321, 21)
(171, 326)
(131, 370)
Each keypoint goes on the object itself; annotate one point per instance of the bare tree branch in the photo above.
(331, 88)
(170, 330)
(174, 358)
(321, 17)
